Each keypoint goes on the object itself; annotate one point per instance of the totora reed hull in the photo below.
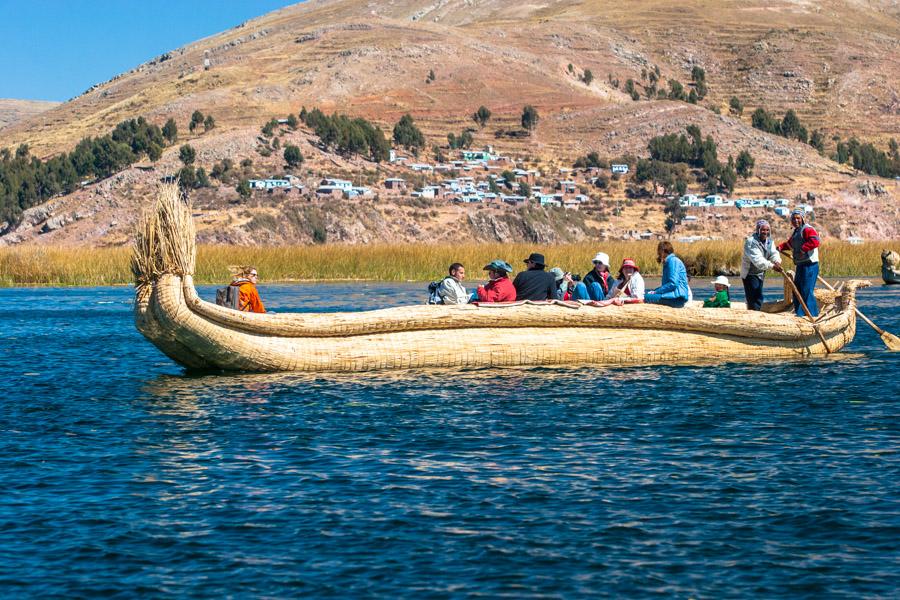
(201, 335)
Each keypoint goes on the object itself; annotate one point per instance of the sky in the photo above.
(56, 49)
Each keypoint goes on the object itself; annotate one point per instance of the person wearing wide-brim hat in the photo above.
(599, 280)
(722, 299)
(499, 288)
(535, 283)
(629, 283)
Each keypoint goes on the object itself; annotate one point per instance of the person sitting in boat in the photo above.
(562, 286)
(450, 290)
(499, 288)
(804, 247)
(722, 298)
(629, 284)
(245, 280)
(598, 282)
(759, 256)
(535, 283)
(674, 290)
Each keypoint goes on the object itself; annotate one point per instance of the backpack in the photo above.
(434, 287)
(229, 297)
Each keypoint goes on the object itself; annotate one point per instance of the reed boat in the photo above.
(200, 335)
(890, 267)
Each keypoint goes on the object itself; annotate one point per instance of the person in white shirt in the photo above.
(760, 255)
(451, 290)
(629, 283)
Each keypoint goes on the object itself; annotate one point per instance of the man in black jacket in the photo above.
(535, 283)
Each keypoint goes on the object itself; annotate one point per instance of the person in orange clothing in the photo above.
(248, 296)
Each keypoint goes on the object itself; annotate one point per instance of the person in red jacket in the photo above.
(248, 295)
(804, 247)
(499, 288)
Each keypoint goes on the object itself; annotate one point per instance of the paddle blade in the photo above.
(891, 341)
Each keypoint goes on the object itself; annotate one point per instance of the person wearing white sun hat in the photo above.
(599, 280)
(722, 299)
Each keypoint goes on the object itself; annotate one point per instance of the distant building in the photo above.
(271, 184)
(622, 169)
(395, 183)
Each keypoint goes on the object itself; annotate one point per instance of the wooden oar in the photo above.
(809, 316)
(891, 341)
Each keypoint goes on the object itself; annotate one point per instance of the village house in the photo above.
(567, 186)
(395, 183)
(335, 188)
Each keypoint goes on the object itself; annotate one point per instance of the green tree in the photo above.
(292, 121)
(187, 154)
(735, 106)
(817, 141)
(196, 120)
(292, 155)
(588, 77)
(763, 121)
(676, 90)
(744, 164)
(524, 189)
(481, 116)
(509, 178)
(791, 127)
(170, 131)
(693, 97)
(243, 189)
(409, 136)
(202, 178)
(209, 123)
(675, 213)
(154, 152)
(530, 117)
(431, 76)
(493, 187)
(187, 178)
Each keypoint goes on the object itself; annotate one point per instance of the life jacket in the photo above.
(797, 240)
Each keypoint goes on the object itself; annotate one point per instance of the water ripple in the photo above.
(124, 477)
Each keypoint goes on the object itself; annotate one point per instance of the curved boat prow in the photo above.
(202, 335)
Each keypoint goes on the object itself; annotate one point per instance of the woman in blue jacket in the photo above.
(674, 289)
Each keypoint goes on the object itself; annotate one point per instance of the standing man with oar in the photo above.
(759, 256)
(804, 247)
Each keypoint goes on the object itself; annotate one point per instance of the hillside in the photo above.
(836, 63)
(14, 111)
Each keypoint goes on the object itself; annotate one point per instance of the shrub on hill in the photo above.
(196, 120)
(170, 131)
(187, 154)
(348, 136)
(530, 117)
(292, 155)
(406, 134)
(482, 115)
(26, 181)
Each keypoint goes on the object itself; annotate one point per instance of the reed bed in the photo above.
(39, 265)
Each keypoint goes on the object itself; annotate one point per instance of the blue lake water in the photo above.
(122, 476)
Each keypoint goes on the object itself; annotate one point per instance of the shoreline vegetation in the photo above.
(72, 266)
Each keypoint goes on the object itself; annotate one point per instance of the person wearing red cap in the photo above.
(629, 284)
